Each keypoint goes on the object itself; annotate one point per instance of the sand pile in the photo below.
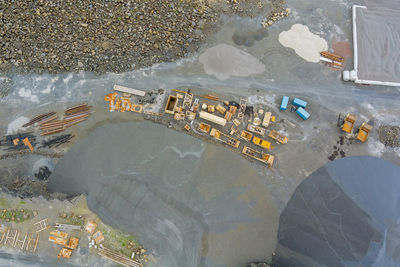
(305, 43)
(224, 61)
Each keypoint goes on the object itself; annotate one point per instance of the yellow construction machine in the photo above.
(363, 132)
(347, 124)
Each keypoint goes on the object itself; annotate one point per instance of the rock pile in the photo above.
(244, 8)
(271, 19)
(5, 86)
(99, 36)
(389, 135)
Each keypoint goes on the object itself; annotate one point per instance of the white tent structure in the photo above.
(376, 38)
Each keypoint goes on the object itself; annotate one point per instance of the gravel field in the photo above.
(109, 36)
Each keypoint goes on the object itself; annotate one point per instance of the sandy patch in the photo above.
(305, 43)
(224, 61)
(343, 49)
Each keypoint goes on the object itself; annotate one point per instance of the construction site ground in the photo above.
(185, 198)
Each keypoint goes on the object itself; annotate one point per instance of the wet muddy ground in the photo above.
(198, 197)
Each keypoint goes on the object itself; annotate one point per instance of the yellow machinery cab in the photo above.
(262, 143)
(363, 132)
(348, 124)
(278, 137)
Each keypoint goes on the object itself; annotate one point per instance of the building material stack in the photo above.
(72, 116)
(332, 60)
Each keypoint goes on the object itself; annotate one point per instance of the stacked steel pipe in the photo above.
(41, 118)
(50, 123)
(76, 114)
(52, 127)
(57, 141)
(77, 109)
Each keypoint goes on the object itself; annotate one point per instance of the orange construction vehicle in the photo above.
(59, 234)
(260, 156)
(73, 243)
(348, 123)
(224, 138)
(111, 98)
(278, 137)
(363, 132)
(262, 143)
(204, 127)
(90, 227)
(57, 240)
(246, 135)
(65, 253)
(98, 237)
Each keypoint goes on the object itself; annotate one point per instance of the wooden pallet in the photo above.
(33, 240)
(118, 258)
(11, 236)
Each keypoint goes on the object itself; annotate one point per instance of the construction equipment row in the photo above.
(185, 106)
(229, 110)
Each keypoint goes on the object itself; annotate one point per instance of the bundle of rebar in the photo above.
(52, 127)
(39, 118)
(77, 109)
(72, 116)
(57, 141)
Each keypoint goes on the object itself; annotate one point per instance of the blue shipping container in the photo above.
(285, 101)
(302, 113)
(299, 103)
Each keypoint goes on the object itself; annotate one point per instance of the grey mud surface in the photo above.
(378, 35)
(344, 214)
(199, 184)
(191, 204)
